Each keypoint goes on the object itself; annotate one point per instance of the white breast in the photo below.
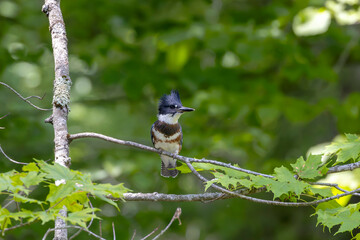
(172, 147)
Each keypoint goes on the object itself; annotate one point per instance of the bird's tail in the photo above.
(169, 170)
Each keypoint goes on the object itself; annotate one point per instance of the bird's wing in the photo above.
(151, 134)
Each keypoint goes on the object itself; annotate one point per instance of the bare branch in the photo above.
(203, 197)
(151, 149)
(11, 160)
(67, 227)
(113, 228)
(176, 216)
(346, 52)
(100, 229)
(334, 185)
(25, 99)
(40, 98)
(149, 233)
(16, 226)
(343, 168)
(133, 236)
(339, 168)
(4, 116)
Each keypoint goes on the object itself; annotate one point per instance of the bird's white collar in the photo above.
(169, 118)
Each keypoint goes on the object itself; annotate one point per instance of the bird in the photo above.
(166, 132)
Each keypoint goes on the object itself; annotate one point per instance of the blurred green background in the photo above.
(263, 97)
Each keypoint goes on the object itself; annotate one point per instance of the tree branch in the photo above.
(151, 149)
(26, 98)
(11, 160)
(339, 168)
(187, 161)
(203, 197)
(61, 95)
(343, 168)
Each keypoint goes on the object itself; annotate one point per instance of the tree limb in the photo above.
(339, 168)
(151, 149)
(203, 197)
(187, 161)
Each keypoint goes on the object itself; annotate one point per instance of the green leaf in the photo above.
(331, 214)
(284, 174)
(5, 182)
(324, 192)
(31, 167)
(287, 183)
(225, 180)
(345, 150)
(349, 222)
(4, 218)
(81, 217)
(32, 178)
(57, 171)
(58, 192)
(45, 216)
(20, 198)
(310, 168)
(357, 237)
(73, 202)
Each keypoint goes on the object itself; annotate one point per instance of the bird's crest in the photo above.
(172, 98)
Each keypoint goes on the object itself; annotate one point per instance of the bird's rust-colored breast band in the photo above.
(167, 129)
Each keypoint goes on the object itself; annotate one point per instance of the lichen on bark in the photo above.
(61, 96)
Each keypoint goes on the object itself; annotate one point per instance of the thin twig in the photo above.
(8, 204)
(55, 204)
(71, 226)
(11, 160)
(176, 216)
(25, 99)
(100, 230)
(133, 236)
(334, 185)
(40, 98)
(16, 226)
(345, 53)
(113, 228)
(153, 231)
(4, 116)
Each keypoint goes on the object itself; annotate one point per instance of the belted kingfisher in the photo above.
(166, 133)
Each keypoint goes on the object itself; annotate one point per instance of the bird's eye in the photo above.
(172, 106)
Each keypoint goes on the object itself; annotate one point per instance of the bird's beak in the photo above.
(185, 109)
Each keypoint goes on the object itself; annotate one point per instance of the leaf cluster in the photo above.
(67, 188)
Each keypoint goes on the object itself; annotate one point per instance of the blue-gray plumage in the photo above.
(166, 133)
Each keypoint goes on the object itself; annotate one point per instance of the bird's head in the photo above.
(171, 108)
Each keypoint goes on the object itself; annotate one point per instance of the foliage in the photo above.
(263, 97)
(67, 188)
(290, 185)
